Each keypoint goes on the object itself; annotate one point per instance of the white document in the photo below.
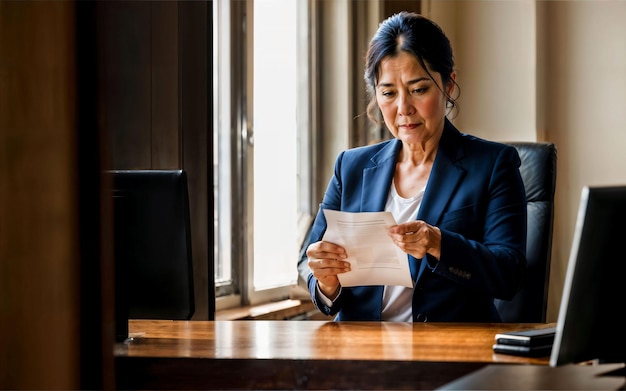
(374, 258)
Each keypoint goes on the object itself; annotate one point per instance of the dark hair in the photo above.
(415, 34)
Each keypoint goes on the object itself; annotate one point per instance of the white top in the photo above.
(397, 300)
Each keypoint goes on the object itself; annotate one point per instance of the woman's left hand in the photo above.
(417, 238)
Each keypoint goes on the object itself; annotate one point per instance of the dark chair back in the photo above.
(538, 171)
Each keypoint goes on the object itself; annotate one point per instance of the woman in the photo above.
(458, 200)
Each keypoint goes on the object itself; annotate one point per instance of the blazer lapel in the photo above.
(444, 177)
(377, 179)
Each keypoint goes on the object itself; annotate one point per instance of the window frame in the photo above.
(234, 149)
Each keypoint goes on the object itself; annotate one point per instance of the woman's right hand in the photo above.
(326, 261)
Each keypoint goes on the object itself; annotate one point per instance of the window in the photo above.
(263, 147)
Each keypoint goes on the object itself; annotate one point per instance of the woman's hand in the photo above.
(326, 260)
(417, 238)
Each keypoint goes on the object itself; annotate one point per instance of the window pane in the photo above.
(222, 141)
(275, 143)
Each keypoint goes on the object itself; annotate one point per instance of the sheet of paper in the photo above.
(375, 259)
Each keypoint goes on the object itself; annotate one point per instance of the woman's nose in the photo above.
(405, 105)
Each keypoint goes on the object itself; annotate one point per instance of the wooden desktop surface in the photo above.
(269, 354)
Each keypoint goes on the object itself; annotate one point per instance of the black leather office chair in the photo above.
(538, 171)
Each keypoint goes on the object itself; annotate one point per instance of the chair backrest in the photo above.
(538, 170)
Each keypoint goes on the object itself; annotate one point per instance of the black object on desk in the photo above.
(154, 267)
(528, 337)
(530, 343)
(527, 351)
(590, 323)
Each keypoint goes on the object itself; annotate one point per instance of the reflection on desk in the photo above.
(305, 354)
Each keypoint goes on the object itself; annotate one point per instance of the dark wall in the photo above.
(155, 106)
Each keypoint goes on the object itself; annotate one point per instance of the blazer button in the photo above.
(421, 318)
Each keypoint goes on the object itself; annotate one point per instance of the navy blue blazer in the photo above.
(475, 195)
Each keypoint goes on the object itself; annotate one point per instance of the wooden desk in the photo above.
(275, 355)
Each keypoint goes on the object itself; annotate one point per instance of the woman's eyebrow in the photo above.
(414, 81)
(423, 78)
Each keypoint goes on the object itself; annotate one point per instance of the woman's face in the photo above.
(412, 105)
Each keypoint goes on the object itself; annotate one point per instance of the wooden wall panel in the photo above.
(156, 106)
(38, 275)
(196, 132)
(125, 55)
(51, 328)
(165, 80)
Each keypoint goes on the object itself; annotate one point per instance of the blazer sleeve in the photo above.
(332, 200)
